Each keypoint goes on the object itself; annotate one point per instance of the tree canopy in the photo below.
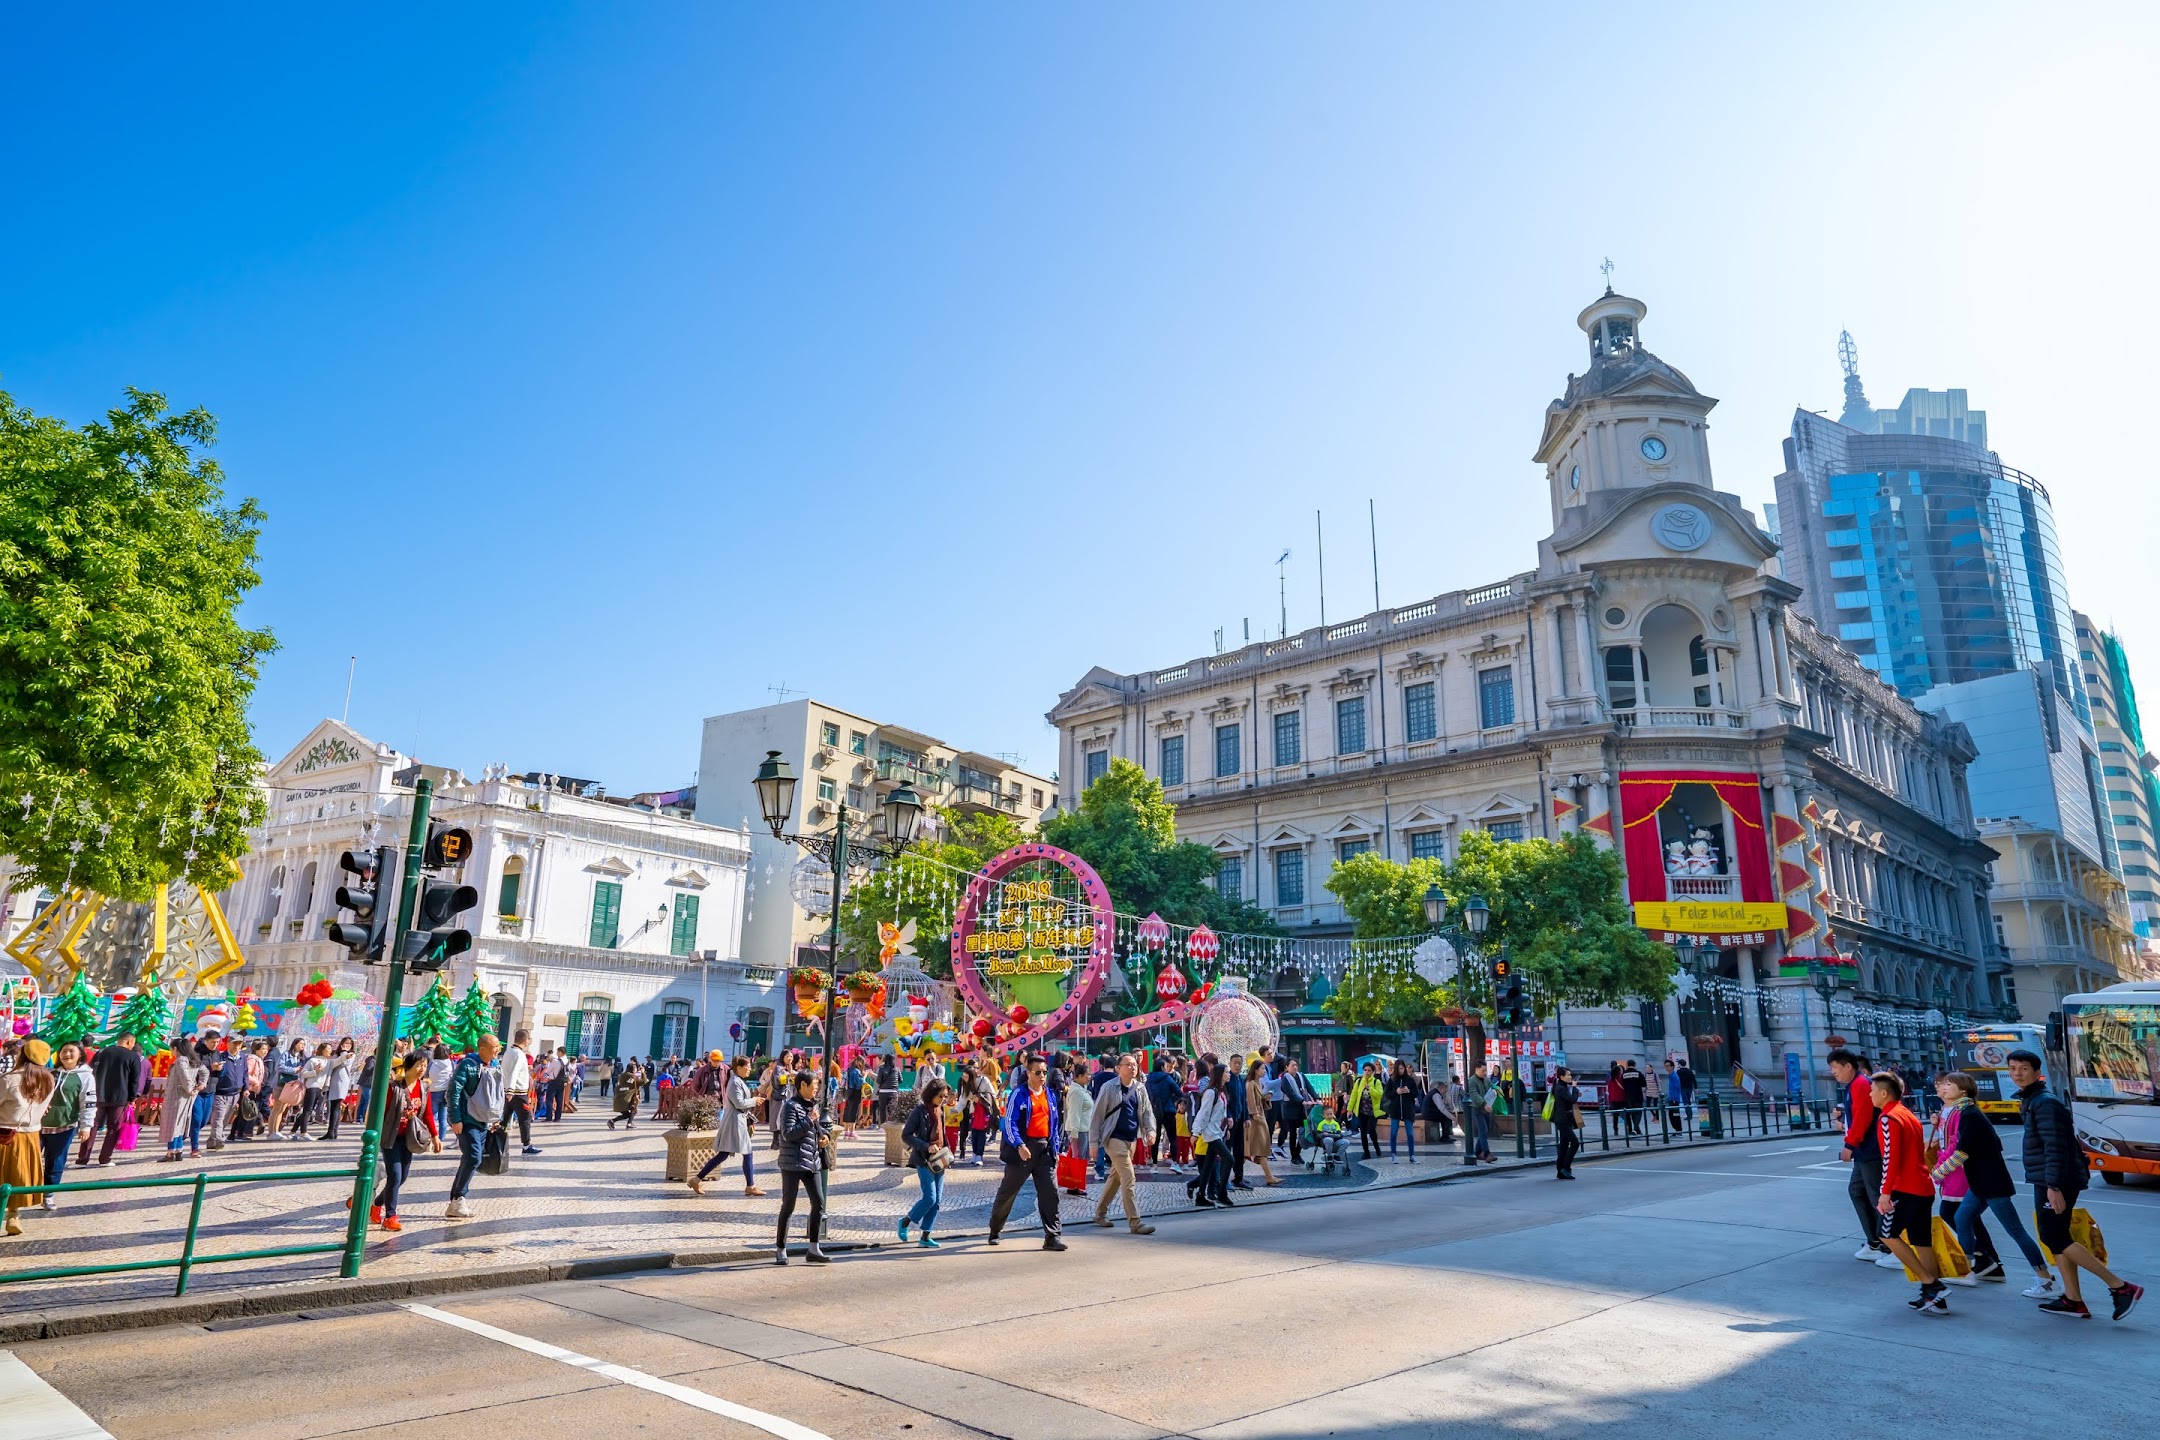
(1557, 906)
(125, 673)
(1127, 830)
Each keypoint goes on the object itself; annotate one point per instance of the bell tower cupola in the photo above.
(1628, 422)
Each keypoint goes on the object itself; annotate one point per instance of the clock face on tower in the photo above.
(1653, 448)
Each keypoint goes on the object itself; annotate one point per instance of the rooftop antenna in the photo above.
(1372, 517)
(1320, 550)
(780, 693)
(1218, 639)
(1607, 267)
(1857, 413)
(352, 663)
(1282, 593)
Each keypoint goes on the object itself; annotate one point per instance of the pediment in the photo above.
(331, 745)
(1422, 814)
(611, 865)
(689, 880)
(1229, 844)
(1663, 523)
(1353, 826)
(1287, 834)
(1098, 689)
(1502, 807)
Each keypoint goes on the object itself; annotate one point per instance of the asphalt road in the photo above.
(1705, 1292)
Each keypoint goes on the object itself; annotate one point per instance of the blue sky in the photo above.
(922, 358)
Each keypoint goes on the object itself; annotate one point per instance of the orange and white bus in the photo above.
(2112, 1037)
(1983, 1052)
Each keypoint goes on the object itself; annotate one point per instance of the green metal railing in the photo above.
(188, 1259)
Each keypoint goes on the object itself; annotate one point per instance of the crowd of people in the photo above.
(1912, 1176)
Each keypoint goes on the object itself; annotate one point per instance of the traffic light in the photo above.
(1507, 993)
(365, 934)
(432, 941)
(448, 846)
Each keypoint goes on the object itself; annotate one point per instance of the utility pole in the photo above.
(363, 1195)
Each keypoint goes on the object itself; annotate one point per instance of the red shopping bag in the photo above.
(1072, 1171)
(1139, 1152)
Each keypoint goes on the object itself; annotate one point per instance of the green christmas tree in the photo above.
(475, 1017)
(433, 1018)
(74, 1015)
(146, 1017)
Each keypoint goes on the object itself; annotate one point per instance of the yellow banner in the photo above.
(1698, 916)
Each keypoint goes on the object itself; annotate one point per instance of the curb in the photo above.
(302, 1297)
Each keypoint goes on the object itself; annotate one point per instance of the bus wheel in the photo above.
(2114, 1177)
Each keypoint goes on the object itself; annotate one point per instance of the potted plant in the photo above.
(690, 1143)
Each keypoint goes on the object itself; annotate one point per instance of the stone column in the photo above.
(1781, 651)
(1756, 1052)
(1588, 640)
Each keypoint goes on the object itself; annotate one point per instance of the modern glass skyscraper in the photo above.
(1934, 561)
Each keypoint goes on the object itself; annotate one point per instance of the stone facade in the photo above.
(1647, 682)
(606, 926)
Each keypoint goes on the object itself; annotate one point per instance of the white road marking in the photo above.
(1722, 1174)
(30, 1409)
(621, 1374)
(1796, 1150)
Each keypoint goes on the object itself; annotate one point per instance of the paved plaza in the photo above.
(591, 1193)
(1698, 1292)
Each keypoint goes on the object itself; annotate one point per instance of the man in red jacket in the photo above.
(1862, 1149)
(1906, 1200)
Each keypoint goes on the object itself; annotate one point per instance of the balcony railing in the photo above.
(1702, 887)
(933, 778)
(1695, 717)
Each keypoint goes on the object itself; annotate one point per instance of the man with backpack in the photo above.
(477, 1104)
(2055, 1164)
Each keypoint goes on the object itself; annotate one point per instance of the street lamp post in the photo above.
(901, 814)
(1476, 915)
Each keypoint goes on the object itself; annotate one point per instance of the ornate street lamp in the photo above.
(891, 831)
(1435, 907)
(1476, 915)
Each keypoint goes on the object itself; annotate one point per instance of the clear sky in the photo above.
(601, 367)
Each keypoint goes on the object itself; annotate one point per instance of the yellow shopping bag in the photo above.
(1950, 1257)
(2082, 1232)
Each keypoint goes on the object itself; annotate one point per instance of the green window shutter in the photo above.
(659, 1024)
(690, 1038)
(684, 939)
(506, 903)
(606, 914)
(614, 1036)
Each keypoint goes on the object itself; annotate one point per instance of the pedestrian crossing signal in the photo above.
(434, 941)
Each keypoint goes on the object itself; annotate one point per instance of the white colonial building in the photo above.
(607, 926)
(1646, 682)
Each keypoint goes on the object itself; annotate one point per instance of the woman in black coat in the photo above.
(1566, 1122)
(801, 1159)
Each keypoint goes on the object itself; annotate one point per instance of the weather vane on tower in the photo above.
(1607, 267)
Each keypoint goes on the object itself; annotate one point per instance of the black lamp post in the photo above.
(1476, 915)
(893, 830)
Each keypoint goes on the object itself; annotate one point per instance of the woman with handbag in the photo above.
(408, 1129)
(344, 1065)
(1212, 1188)
(928, 1159)
(181, 1120)
(732, 1135)
(805, 1146)
(26, 1092)
(1561, 1098)
(1257, 1144)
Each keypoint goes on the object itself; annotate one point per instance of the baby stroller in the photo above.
(1324, 1143)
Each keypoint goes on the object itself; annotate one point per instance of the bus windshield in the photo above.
(2114, 1051)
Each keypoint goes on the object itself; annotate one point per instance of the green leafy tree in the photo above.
(474, 1018)
(124, 671)
(1127, 830)
(147, 1016)
(1557, 905)
(918, 889)
(74, 1015)
(433, 1018)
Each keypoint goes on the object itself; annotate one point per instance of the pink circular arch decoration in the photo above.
(1083, 988)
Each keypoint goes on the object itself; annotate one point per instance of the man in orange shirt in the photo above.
(1028, 1146)
(1906, 1200)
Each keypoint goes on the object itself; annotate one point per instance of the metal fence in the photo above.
(187, 1259)
(1712, 1117)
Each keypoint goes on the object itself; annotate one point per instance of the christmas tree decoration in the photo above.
(74, 1015)
(147, 1017)
(433, 1018)
(475, 1017)
(245, 1017)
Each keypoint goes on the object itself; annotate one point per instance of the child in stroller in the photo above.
(1324, 1137)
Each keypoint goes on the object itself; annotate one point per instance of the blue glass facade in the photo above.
(1928, 557)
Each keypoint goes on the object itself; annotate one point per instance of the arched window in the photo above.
(1671, 642)
(674, 1031)
(304, 902)
(513, 878)
(273, 896)
(591, 1026)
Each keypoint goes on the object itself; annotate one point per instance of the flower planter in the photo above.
(687, 1152)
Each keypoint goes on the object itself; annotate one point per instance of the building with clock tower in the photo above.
(1778, 810)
